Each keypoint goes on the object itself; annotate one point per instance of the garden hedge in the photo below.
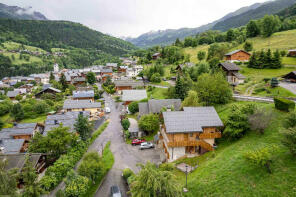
(284, 104)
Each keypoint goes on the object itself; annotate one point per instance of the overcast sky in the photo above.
(134, 17)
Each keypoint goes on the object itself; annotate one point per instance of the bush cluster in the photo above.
(284, 104)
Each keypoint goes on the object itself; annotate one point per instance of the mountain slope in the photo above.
(165, 37)
(61, 34)
(272, 7)
(288, 12)
(15, 12)
(235, 19)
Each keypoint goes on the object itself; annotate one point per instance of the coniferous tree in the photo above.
(180, 88)
(268, 59)
(83, 127)
(51, 77)
(261, 60)
(277, 60)
(63, 82)
(253, 61)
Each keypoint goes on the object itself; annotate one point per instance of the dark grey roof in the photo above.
(235, 51)
(25, 125)
(9, 132)
(49, 88)
(79, 79)
(11, 146)
(111, 64)
(133, 95)
(238, 75)
(11, 94)
(230, 66)
(192, 119)
(45, 86)
(67, 119)
(18, 160)
(83, 94)
(106, 70)
(79, 104)
(155, 106)
(133, 84)
(292, 50)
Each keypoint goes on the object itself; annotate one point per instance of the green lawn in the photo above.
(226, 173)
(158, 93)
(162, 83)
(289, 60)
(17, 60)
(7, 121)
(192, 51)
(9, 45)
(41, 118)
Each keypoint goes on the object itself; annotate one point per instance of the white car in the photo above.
(107, 109)
(146, 145)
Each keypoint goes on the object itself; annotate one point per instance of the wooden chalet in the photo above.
(290, 77)
(155, 56)
(48, 90)
(232, 73)
(238, 55)
(292, 53)
(127, 85)
(191, 132)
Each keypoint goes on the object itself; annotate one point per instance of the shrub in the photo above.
(76, 185)
(125, 124)
(284, 104)
(261, 157)
(127, 173)
(237, 124)
(149, 123)
(91, 166)
(289, 140)
(156, 78)
(133, 107)
(290, 121)
(260, 120)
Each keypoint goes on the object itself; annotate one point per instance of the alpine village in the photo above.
(211, 113)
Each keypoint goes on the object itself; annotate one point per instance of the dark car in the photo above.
(137, 142)
(115, 191)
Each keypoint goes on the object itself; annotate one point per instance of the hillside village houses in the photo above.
(129, 96)
(238, 56)
(292, 53)
(232, 73)
(190, 132)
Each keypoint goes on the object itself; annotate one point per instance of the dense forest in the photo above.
(60, 34)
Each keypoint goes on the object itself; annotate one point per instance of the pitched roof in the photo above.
(11, 146)
(133, 95)
(238, 75)
(67, 119)
(11, 94)
(79, 104)
(18, 160)
(192, 119)
(236, 51)
(134, 84)
(83, 94)
(106, 70)
(79, 79)
(111, 64)
(156, 54)
(9, 132)
(230, 66)
(49, 88)
(292, 50)
(155, 106)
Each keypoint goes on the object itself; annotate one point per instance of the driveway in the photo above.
(125, 155)
(289, 86)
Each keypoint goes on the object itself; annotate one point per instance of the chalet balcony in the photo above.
(210, 135)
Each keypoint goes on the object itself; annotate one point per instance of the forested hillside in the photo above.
(272, 7)
(60, 34)
(235, 19)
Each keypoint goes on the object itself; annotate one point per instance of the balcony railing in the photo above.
(210, 135)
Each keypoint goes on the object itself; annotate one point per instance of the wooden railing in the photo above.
(183, 143)
(210, 135)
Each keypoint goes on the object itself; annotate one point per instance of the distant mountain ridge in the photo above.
(234, 19)
(15, 12)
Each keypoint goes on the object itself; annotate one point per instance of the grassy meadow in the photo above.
(226, 173)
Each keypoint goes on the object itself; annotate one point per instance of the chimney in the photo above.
(55, 122)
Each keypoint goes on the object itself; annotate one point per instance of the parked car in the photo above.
(107, 109)
(146, 145)
(137, 142)
(115, 191)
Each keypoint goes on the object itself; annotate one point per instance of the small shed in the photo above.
(238, 55)
(290, 77)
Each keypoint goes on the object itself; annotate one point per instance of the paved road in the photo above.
(125, 155)
(289, 86)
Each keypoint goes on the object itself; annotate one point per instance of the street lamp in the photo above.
(186, 174)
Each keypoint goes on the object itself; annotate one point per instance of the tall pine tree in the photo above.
(63, 82)
(276, 60)
(268, 59)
